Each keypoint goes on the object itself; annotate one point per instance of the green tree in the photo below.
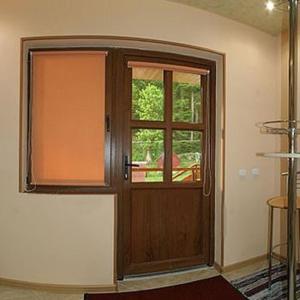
(147, 98)
(186, 102)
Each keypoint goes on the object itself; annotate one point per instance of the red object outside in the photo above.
(175, 161)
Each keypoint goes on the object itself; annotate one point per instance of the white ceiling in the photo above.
(250, 12)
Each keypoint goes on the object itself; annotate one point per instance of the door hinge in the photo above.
(223, 134)
(107, 123)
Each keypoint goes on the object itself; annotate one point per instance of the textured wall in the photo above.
(69, 239)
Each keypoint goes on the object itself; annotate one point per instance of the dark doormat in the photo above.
(216, 288)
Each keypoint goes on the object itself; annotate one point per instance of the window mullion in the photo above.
(168, 82)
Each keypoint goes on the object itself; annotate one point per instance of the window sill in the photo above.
(58, 189)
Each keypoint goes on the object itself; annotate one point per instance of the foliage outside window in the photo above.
(148, 105)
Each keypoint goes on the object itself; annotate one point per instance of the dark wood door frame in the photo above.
(121, 57)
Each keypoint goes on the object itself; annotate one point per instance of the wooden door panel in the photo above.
(168, 226)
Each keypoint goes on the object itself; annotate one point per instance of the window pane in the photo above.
(187, 155)
(147, 94)
(148, 153)
(187, 102)
(68, 107)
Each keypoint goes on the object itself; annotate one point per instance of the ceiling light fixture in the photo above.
(270, 5)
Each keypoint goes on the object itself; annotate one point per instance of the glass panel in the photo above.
(68, 108)
(187, 155)
(148, 152)
(147, 94)
(187, 102)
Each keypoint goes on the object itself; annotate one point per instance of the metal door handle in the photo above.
(128, 165)
(132, 165)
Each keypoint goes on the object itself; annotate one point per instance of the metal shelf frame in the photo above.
(290, 128)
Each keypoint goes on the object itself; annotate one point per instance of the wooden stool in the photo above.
(280, 202)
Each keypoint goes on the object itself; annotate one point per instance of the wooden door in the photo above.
(168, 163)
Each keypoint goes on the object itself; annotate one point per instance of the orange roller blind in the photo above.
(68, 112)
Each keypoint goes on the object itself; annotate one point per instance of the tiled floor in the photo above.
(10, 293)
(155, 281)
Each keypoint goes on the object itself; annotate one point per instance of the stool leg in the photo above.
(270, 246)
(298, 244)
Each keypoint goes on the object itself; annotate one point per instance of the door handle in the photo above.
(128, 165)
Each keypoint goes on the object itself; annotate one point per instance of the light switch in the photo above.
(255, 171)
(242, 172)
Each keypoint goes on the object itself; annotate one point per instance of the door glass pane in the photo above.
(187, 155)
(147, 94)
(148, 152)
(187, 102)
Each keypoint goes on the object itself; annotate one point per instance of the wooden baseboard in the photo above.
(279, 257)
(59, 288)
(218, 267)
(239, 265)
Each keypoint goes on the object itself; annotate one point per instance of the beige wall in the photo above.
(69, 239)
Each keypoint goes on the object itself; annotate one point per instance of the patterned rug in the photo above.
(255, 286)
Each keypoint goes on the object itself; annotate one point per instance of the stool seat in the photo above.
(281, 202)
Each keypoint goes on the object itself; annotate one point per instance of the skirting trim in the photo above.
(236, 266)
(58, 288)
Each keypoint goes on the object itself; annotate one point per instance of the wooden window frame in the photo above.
(108, 166)
(168, 125)
(116, 64)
